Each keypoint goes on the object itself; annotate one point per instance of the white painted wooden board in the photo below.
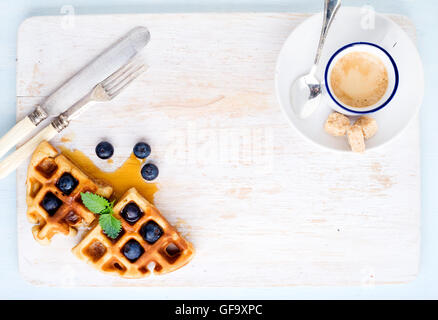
(262, 206)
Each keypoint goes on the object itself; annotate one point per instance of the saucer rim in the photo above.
(415, 113)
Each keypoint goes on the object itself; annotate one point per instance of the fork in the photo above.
(106, 90)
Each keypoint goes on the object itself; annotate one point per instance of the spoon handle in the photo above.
(330, 9)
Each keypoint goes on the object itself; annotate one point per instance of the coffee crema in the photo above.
(359, 79)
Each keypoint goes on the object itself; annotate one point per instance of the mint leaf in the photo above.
(95, 203)
(110, 225)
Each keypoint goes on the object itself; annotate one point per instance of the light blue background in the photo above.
(424, 14)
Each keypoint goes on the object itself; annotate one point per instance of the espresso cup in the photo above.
(381, 86)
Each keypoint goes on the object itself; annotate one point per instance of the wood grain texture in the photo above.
(262, 206)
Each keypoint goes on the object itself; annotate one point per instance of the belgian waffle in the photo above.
(45, 168)
(170, 252)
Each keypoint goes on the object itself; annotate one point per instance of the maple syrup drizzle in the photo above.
(126, 176)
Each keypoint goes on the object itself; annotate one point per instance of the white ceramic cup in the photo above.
(387, 60)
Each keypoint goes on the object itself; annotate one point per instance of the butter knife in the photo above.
(78, 85)
(106, 90)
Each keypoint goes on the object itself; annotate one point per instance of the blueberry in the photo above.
(149, 171)
(132, 250)
(67, 183)
(151, 232)
(51, 203)
(131, 213)
(104, 150)
(142, 150)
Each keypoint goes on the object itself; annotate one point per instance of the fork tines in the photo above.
(121, 78)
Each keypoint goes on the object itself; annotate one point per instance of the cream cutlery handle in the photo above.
(11, 162)
(18, 132)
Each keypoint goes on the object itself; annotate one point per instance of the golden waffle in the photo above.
(168, 253)
(45, 168)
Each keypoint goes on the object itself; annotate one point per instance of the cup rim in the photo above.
(354, 110)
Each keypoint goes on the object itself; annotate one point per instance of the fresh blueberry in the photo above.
(51, 203)
(132, 250)
(142, 150)
(104, 150)
(67, 183)
(151, 232)
(149, 171)
(131, 213)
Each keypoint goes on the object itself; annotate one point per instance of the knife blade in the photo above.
(97, 70)
(79, 84)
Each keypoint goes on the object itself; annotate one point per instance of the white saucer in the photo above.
(296, 58)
